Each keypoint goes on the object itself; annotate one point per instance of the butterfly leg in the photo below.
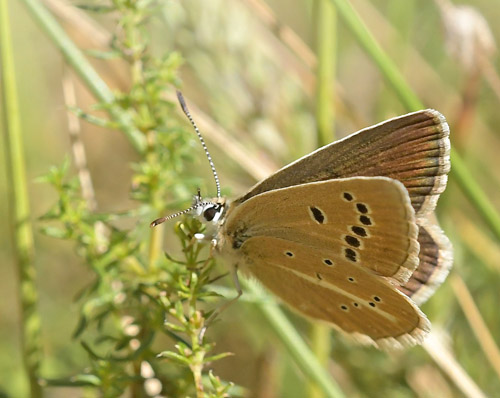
(224, 306)
(218, 311)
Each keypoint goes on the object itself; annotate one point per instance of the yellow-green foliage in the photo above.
(118, 316)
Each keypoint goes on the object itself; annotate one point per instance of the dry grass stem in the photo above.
(445, 359)
(476, 322)
(77, 147)
(234, 150)
(477, 241)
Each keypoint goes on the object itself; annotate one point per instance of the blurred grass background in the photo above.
(250, 75)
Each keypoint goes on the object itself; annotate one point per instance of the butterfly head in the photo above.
(209, 211)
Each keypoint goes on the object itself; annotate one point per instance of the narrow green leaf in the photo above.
(217, 357)
(174, 357)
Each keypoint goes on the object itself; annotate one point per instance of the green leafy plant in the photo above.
(137, 293)
(256, 75)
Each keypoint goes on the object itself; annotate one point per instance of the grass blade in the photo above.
(19, 214)
(412, 103)
(294, 344)
(325, 41)
(85, 71)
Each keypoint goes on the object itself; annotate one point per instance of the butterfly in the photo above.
(345, 234)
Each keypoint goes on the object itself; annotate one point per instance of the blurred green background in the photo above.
(250, 68)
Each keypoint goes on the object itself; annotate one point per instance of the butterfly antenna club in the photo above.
(185, 109)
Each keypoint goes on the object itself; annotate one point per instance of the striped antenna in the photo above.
(212, 166)
(179, 213)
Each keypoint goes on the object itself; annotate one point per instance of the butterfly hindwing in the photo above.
(413, 149)
(435, 260)
(366, 221)
(345, 295)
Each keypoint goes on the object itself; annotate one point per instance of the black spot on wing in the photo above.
(352, 241)
(362, 208)
(318, 214)
(365, 220)
(360, 231)
(350, 254)
(348, 196)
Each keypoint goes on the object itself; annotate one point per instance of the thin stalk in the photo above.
(476, 322)
(155, 245)
(98, 87)
(19, 214)
(197, 369)
(292, 341)
(285, 34)
(474, 193)
(477, 240)
(86, 72)
(388, 69)
(412, 103)
(451, 367)
(77, 147)
(324, 20)
(321, 346)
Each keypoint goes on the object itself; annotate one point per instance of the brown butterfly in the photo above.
(343, 235)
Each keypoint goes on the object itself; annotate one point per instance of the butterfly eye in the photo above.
(210, 213)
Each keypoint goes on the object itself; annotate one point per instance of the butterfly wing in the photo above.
(329, 248)
(435, 261)
(345, 295)
(366, 221)
(413, 149)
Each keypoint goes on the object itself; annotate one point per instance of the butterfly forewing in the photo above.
(343, 294)
(367, 222)
(413, 149)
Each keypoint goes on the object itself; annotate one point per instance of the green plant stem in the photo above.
(321, 345)
(197, 369)
(19, 214)
(325, 23)
(474, 192)
(86, 72)
(292, 341)
(388, 69)
(459, 172)
(155, 245)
